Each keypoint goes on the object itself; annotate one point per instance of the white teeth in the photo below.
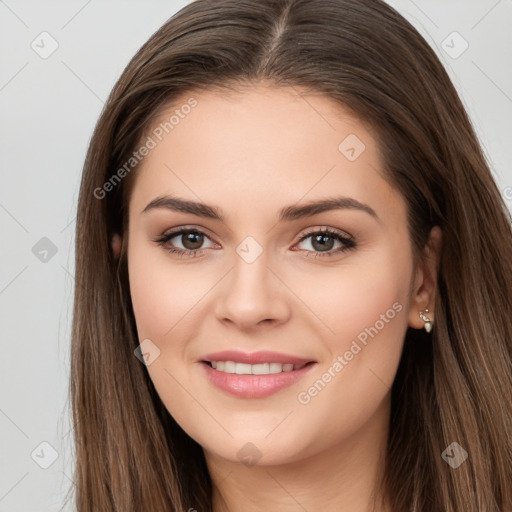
(276, 368)
(254, 369)
(229, 367)
(243, 369)
(260, 369)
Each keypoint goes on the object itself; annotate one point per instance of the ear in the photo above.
(423, 292)
(116, 245)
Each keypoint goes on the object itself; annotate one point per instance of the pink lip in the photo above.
(253, 386)
(254, 358)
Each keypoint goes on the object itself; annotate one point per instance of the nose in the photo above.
(252, 295)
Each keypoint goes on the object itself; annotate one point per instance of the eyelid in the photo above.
(186, 228)
(325, 229)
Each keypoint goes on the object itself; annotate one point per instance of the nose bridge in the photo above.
(250, 281)
(251, 293)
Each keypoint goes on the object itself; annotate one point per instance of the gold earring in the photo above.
(426, 319)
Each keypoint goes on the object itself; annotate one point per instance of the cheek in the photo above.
(372, 298)
(162, 293)
(366, 307)
(377, 306)
(168, 302)
(347, 299)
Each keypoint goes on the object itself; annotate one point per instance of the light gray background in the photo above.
(48, 108)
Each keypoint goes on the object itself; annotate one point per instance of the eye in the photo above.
(322, 242)
(191, 241)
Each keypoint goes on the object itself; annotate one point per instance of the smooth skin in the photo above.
(249, 154)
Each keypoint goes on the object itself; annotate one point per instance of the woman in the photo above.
(293, 274)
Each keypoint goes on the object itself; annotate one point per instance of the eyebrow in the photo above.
(287, 214)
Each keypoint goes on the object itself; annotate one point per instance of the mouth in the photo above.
(258, 380)
(255, 369)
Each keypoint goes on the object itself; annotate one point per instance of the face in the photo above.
(321, 296)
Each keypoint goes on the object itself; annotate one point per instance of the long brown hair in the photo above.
(452, 385)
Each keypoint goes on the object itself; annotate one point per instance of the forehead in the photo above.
(260, 145)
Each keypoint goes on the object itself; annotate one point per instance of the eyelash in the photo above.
(349, 243)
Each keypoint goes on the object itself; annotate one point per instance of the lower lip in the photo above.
(254, 386)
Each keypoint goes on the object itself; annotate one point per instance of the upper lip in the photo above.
(254, 357)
